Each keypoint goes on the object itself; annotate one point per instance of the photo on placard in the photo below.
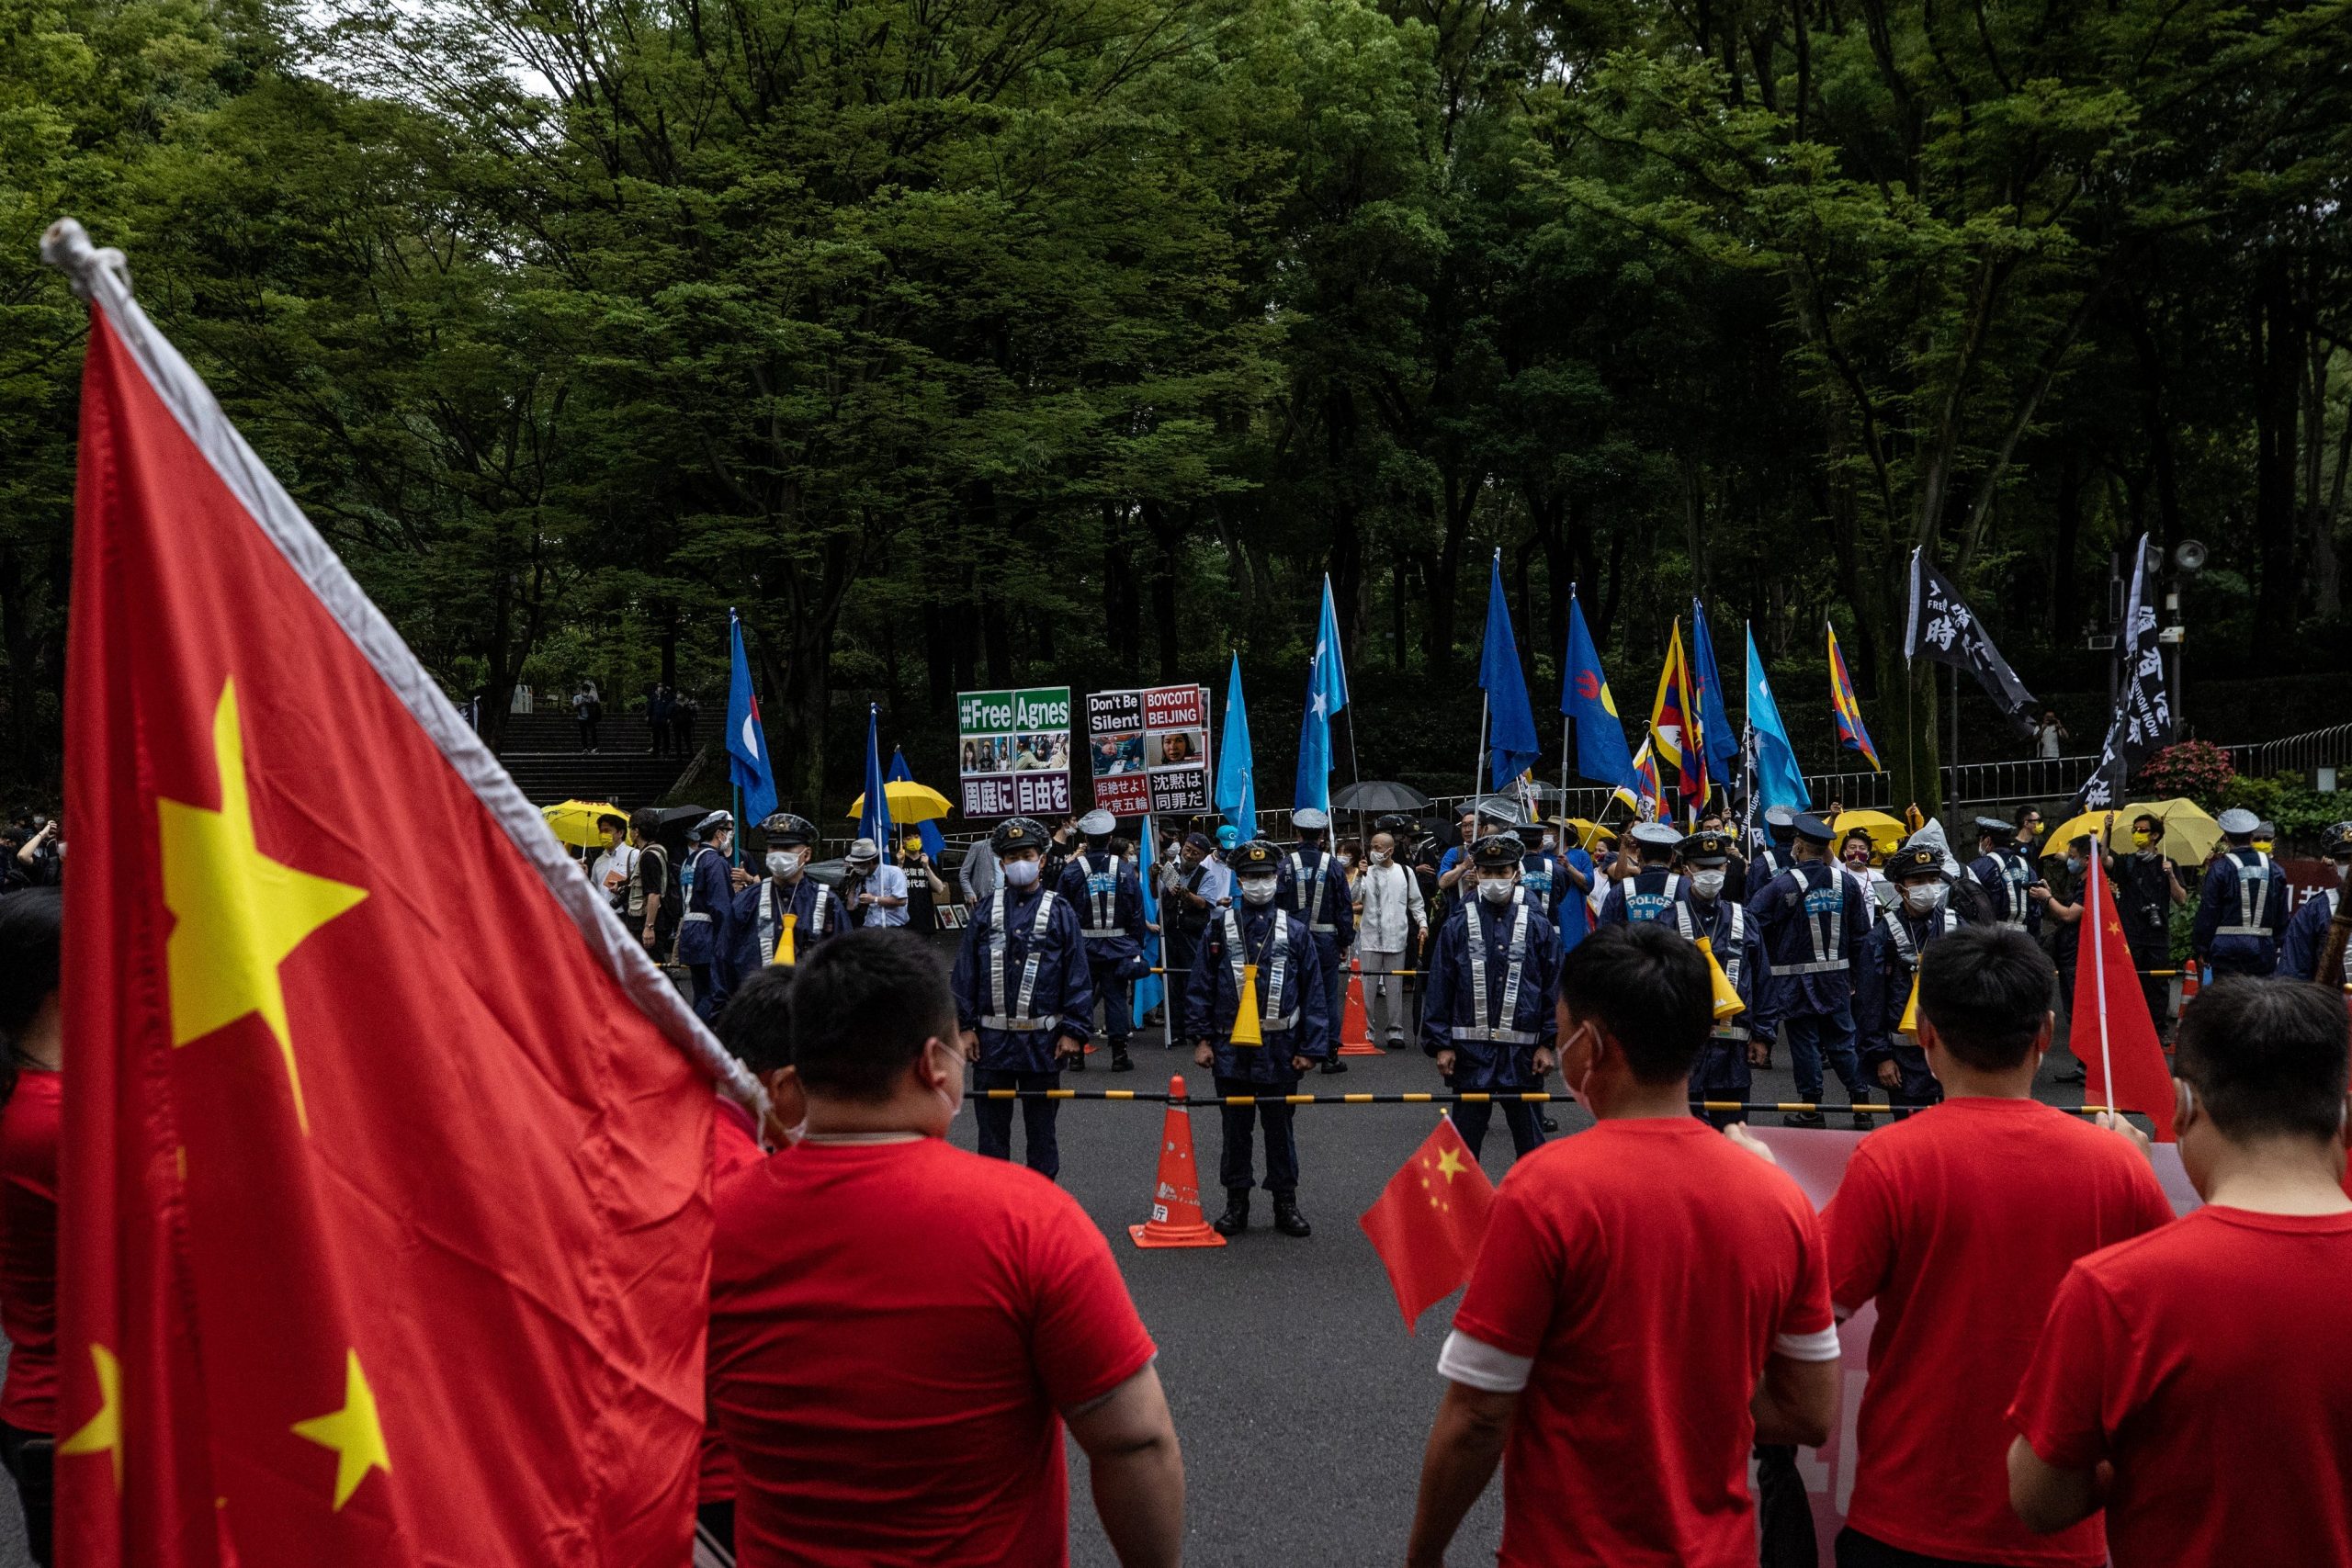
(1118, 754)
(1175, 747)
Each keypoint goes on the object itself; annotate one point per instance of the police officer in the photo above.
(1487, 1017)
(1649, 893)
(1775, 855)
(1922, 914)
(1814, 920)
(1742, 1042)
(2242, 908)
(2012, 882)
(1097, 884)
(788, 893)
(1293, 1021)
(1315, 889)
(704, 933)
(1024, 995)
(2307, 931)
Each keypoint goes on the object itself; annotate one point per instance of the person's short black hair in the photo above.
(32, 929)
(2023, 812)
(2147, 817)
(756, 1024)
(1986, 989)
(862, 1006)
(646, 823)
(614, 820)
(1649, 988)
(2266, 1057)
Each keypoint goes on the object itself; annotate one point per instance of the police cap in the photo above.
(2338, 840)
(1098, 824)
(1706, 849)
(1996, 826)
(1019, 833)
(712, 823)
(785, 828)
(1780, 817)
(1310, 818)
(1655, 836)
(2238, 822)
(1914, 861)
(1811, 828)
(1495, 850)
(1256, 855)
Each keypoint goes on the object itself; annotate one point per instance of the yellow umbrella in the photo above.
(1887, 833)
(574, 821)
(2190, 834)
(910, 802)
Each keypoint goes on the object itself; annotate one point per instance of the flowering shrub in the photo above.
(2197, 769)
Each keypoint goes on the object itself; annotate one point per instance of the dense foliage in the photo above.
(976, 342)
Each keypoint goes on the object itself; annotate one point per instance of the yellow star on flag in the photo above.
(236, 912)
(102, 1433)
(353, 1432)
(1449, 1165)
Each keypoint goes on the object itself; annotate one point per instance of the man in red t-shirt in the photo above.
(1650, 1300)
(899, 1329)
(2198, 1380)
(1960, 1223)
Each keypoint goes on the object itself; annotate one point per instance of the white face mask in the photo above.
(1497, 891)
(1380, 857)
(1706, 884)
(782, 862)
(1550, 842)
(1345, 861)
(1258, 889)
(1021, 872)
(1923, 897)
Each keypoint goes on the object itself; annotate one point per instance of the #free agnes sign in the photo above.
(1013, 752)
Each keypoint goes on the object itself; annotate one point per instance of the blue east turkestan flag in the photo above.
(1585, 698)
(1714, 715)
(874, 817)
(1510, 737)
(1236, 786)
(749, 767)
(1327, 693)
(1779, 780)
(1149, 989)
(934, 841)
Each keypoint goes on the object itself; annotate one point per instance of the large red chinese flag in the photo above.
(1429, 1220)
(2109, 1022)
(386, 1224)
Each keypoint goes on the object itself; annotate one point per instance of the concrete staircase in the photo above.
(542, 750)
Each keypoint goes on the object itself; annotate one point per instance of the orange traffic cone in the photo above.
(1176, 1196)
(2188, 983)
(1355, 1030)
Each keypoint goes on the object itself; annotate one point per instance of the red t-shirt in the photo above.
(2211, 1363)
(28, 1134)
(1961, 1222)
(894, 1330)
(734, 1145)
(1647, 1266)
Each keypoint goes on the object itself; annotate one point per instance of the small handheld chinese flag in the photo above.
(386, 1235)
(1428, 1221)
(2112, 1033)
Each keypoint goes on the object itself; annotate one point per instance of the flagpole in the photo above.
(2098, 961)
(1747, 739)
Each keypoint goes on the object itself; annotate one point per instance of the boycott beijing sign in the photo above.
(1014, 751)
(1151, 749)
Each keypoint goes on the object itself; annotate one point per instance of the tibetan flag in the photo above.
(1846, 705)
(1429, 1220)
(1674, 727)
(1718, 739)
(1643, 796)
(386, 1206)
(2112, 1033)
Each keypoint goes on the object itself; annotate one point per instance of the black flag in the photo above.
(1942, 627)
(2143, 710)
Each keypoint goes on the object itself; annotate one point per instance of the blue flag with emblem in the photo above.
(1715, 737)
(1236, 786)
(874, 815)
(1601, 753)
(1149, 989)
(749, 767)
(1510, 735)
(934, 841)
(1779, 780)
(1327, 693)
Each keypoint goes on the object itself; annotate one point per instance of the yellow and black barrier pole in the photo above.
(1525, 1096)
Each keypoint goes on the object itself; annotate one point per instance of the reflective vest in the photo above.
(2253, 894)
(1824, 909)
(1731, 953)
(1101, 896)
(1515, 967)
(1651, 906)
(1018, 1020)
(1274, 967)
(770, 920)
(1310, 892)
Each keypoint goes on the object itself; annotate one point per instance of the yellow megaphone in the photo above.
(784, 943)
(1246, 1030)
(1727, 1002)
(1910, 1024)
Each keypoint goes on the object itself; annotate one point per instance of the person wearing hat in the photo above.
(1813, 921)
(2307, 931)
(1741, 1042)
(1487, 1018)
(2012, 882)
(1109, 899)
(1922, 914)
(1651, 892)
(1252, 942)
(705, 930)
(873, 890)
(787, 899)
(1315, 889)
(1025, 996)
(1775, 854)
(2242, 907)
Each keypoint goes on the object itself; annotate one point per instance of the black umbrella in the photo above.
(1379, 796)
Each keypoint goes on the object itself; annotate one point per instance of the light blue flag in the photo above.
(874, 817)
(1327, 693)
(1510, 734)
(1601, 753)
(1720, 744)
(749, 767)
(1779, 780)
(1236, 786)
(934, 841)
(1149, 990)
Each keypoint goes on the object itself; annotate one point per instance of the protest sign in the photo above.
(1013, 752)
(1150, 749)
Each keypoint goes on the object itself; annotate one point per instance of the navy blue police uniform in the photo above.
(1724, 1068)
(1650, 893)
(755, 927)
(1314, 886)
(1109, 900)
(1814, 920)
(2307, 928)
(2007, 875)
(1890, 966)
(2242, 907)
(703, 929)
(1492, 998)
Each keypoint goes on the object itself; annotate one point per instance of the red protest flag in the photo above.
(2110, 1024)
(386, 1206)
(1429, 1220)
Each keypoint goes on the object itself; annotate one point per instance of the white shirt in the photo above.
(2046, 736)
(885, 881)
(1386, 896)
(612, 869)
(1216, 880)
